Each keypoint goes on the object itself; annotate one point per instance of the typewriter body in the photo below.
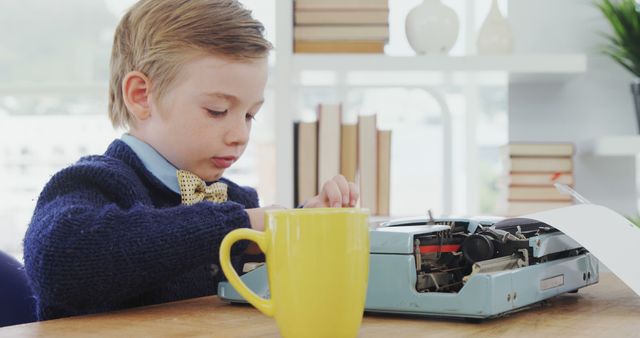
(462, 267)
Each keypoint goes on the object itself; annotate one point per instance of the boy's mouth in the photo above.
(223, 162)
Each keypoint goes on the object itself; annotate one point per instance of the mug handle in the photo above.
(264, 305)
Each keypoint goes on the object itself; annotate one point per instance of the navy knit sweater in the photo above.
(106, 234)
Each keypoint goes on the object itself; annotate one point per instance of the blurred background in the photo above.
(54, 59)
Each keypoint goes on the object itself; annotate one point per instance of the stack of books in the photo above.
(341, 26)
(360, 152)
(533, 169)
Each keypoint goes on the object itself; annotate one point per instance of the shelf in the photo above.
(520, 68)
(622, 145)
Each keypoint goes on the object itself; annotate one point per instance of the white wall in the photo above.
(595, 104)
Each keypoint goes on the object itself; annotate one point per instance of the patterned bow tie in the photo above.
(193, 189)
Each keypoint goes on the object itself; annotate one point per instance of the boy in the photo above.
(139, 225)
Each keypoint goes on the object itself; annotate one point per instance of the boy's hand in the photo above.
(335, 193)
(256, 216)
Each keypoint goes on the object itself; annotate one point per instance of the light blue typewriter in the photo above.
(462, 267)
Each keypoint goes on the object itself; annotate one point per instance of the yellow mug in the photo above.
(317, 265)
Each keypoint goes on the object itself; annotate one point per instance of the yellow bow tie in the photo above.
(193, 189)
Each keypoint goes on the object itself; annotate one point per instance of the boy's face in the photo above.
(203, 121)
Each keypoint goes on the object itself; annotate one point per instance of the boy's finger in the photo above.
(343, 185)
(354, 194)
(333, 194)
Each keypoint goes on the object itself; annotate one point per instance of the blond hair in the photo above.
(156, 37)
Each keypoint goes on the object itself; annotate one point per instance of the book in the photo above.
(536, 194)
(540, 164)
(533, 168)
(368, 162)
(337, 46)
(541, 149)
(540, 179)
(341, 4)
(384, 171)
(342, 32)
(305, 154)
(340, 17)
(519, 208)
(349, 151)
(329, 122)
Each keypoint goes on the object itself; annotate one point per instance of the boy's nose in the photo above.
(238, 133)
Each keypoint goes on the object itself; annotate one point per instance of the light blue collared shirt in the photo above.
(153, 161)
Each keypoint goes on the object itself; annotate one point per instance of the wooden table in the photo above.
(607, 309)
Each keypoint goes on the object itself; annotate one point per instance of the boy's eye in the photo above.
(216, 113)
(250, 117)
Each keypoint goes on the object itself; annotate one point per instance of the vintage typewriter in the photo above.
(462, 267)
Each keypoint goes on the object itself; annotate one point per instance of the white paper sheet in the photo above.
(606, 234)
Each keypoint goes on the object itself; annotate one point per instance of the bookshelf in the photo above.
(289, 67)
(519, 68)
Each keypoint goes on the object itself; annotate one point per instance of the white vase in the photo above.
(432, 27)
(495, 35)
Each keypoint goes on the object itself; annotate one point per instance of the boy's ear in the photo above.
(136, 90)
